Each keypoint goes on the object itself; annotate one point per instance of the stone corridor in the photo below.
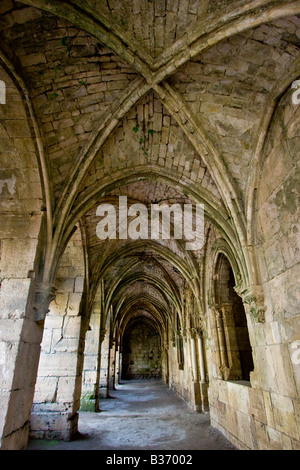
(149, 221)
(141, 415)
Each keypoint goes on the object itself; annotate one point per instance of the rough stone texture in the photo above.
(20, 212)
(174, 102)
(92, 361)
(57, 396)
(141, 356)
(152, 416)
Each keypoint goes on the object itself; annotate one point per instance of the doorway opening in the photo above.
(141, 352)
(234, 343)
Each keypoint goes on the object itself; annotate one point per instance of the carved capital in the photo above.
(102, 334)
(216, 311)
(173, 338)
(196, 333)
(254, 297)
(44, 294)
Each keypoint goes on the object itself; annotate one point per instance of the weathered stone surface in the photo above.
(162, 102)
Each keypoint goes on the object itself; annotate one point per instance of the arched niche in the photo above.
(141, 356)
(232, 330)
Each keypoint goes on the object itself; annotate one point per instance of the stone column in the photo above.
(165, 360)
(203, 383)
(196, 384)
(90, 378)
(194, 360)
(201, 358)
(20, 342)
(222, 341)
(120, 366)
(222, 348)
(58, 386)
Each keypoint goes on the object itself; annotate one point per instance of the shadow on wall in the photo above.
(141, 352)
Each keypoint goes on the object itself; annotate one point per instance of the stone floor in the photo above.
(141, 415)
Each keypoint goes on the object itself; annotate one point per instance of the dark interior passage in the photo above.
(241, 331)
(141, 358)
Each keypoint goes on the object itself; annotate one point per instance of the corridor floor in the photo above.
(141, 415)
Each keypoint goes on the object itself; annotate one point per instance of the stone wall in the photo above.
(92, 360)
(141, 354)
(180, 373)
(21, 206)
(58, 386)
(277, 341)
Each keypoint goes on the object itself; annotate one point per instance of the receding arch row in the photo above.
(156, 308)
(188, 267)
(282, 11)
(149, 311)
(153, 310)
(199, 140)
(239, 225)
(160, 176)
(141, 328)
(90, 196)
(214, 210)
(155, 249)
(295, 72)
(167, 289)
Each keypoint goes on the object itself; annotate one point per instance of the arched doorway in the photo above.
(234, 342)
(141, 357)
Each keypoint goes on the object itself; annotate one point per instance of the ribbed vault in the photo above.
(56, 37)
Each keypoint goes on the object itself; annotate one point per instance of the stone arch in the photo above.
(129, 307)
(281, 88)
(277, 229)
(168, 291)
(2, 92)
(58, 385)
(214, 210)
(183, 265)
(158, 302)
(141, 331)
(229, 325)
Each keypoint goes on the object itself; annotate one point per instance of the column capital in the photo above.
(254, 297)
(196, 333)
(102, 334)
(44, 294)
